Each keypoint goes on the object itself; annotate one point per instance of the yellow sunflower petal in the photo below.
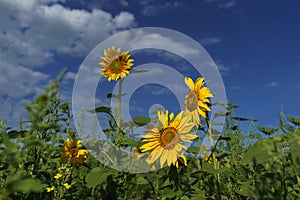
(69, 143)
(162, 117)
(163, 157)
(149, 146)
(188, 137)
(189, 82)
(186, 128)
(178, 147)
(182, 158)
(199, 83)
(78, 143)
(172, 157)
(177, 120)
(155, 154)
(171, 116)
(205, 92)
(202, 113)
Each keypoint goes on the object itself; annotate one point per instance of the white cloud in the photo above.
(70, 76)
(12, 110)
(18, 81)
(210, 40)
(225, 4)
(32, 32)
(124, 3)
(236, 87)
(224, 70)
(161, 41)
(157, 90)
(124, 20)
(272, 84)
(20, 4)
(152, 8)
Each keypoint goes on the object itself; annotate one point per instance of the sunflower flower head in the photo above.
(115, 64)
(73, 153)
(197, 99)
(165, 141)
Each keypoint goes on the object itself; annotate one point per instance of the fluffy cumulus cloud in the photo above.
(18, 81)
(33, 31)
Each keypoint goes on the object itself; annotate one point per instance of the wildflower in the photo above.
(72, 152)
(197, 99)
(208, 158)
(115, 64)
(49, 189)
(165, 140)
(57, 176)
(67, 186)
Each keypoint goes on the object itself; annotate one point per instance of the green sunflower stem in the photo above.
(215, 162)
(119, 111)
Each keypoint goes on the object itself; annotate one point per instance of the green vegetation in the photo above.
(263, 163)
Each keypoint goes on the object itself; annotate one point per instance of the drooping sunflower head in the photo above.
(165, 140)
(197, 99)
(72, 152)
(115, 64)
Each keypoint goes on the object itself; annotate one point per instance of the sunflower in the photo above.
(71, 152)
(197, 99)
(115, 64)
(165, 140)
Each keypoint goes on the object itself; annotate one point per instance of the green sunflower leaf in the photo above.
(95, 177)
(193, 149)
(111, 95)
(141, 120)
(128, 141)
(9, 145)
(261, 152)
(101, 109)
(141, 181)
(136, 71)
(26, 185)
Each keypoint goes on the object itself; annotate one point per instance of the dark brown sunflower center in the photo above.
(191, 101)
(116, 65)
(74, 152)
(167, 135)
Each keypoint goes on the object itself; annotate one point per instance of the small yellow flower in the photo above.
(57, 176)
(115, 64)
(49, 189)
(208, 158)
(67, 186)
(197, 99)
(72, 152)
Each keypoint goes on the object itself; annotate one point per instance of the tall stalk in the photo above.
(119, 111)
(215, 162)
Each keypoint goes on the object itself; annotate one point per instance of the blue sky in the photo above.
(254, 43)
